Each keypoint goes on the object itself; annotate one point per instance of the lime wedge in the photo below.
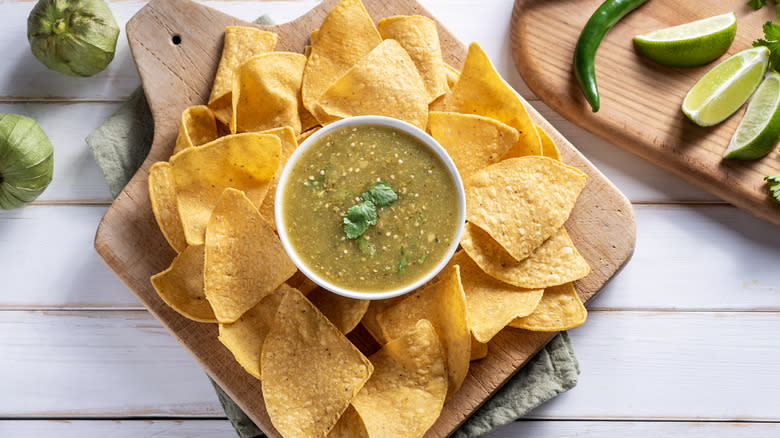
(690, 44)
(759, 130)
(726, 87)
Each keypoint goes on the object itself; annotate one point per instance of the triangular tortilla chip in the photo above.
(548, 145)
(347, 25)
(162, 194)
(245, 161)
(267, 93)
(522, 201)
(481, 90)
(383, 75)
(345, 313)
(443, 302)
(244, 260)
(288, 145)
(198, 126)
(241, 44)
(310, 370)
(419, 37)
(181, 285)
(559, 309)
(473, 142)
(555, 262)
(491, 304)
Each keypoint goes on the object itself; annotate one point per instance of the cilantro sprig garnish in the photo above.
(771, 41)
(773, 181)
(758, 4)
(360, 216)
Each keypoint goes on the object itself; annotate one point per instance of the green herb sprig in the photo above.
(773, 181)
(771, 41)
(360, 216)
(758, 4)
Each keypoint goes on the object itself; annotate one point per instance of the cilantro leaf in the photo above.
(358, 218)
(381, 194)
(773, 181)
(772, 42)
(756, 4)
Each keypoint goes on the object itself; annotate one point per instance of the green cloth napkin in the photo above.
(121, 144)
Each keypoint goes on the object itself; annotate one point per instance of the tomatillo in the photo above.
(75, 37)
(26, 160)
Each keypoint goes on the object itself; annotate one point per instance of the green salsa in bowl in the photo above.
(370, 207)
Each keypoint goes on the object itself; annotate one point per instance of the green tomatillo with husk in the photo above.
(26, 160)
(75, 37)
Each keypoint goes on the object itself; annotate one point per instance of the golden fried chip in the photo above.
(350, 425)
(306, 134)
(162, 194)
(548, 145)
(491, 304)
(479, 350)
(472, 141)
(522, 201)
(310, 370)
(241, 44)
(443, 302)
(384, 83)
(288, 145)
(245, 260)
(347, 25)
(370, 322)
(404, 396)
(302, 283)
(198, 126)
(555, 262)
(452, 74)
(559, 309)
(481, 90)
(181, 285)
(419, 37)
(267, 92)
(345, 313)
(244, 337)
(246, 162)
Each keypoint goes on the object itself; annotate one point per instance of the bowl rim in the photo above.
(402, 126)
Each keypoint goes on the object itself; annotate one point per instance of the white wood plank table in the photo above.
(682, 342)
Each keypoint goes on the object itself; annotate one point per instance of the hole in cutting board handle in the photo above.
(176, 40)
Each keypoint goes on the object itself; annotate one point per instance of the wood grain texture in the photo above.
(176, 76)
(640, 100)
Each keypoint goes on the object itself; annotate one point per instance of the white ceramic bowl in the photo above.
(399, 125)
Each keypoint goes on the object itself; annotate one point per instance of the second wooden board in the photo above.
(640, 100)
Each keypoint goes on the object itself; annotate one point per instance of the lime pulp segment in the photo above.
(759, 129)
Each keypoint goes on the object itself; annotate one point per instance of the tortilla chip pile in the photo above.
(214, 203)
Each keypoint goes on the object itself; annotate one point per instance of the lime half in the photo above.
(726, 87)
(759, 130)
(690, 44)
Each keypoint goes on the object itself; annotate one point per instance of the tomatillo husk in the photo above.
(26, 160)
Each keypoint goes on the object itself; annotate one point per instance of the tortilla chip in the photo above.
(244, 337)
(310, 370)
(181, 285)
(404, 396)
(267, 92)
(246, 162)
(241, 44)
(559, 309)
(370, 322)
(548, 145)
(306, 134)
(481, 90)
(383, 75)
(555, 262)
(345, 313)
(443, 302)
(198, 126)
(479, 350)
(288, 145)
(162, 194)
(452, 75)
(419, 37)
(522, 201)
(350, 425)
(244, 261)
(347, 25)
(491, 304)
(472, 141)
(302, 283)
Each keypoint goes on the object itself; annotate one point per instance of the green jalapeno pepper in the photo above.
(609, 13)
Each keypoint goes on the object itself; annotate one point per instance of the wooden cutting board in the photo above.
(177, 45)
(640, 100)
